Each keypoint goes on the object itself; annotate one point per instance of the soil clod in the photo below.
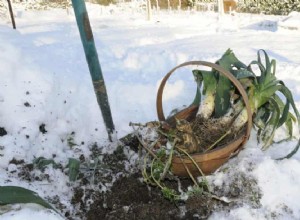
(42, 128)
(3, 132)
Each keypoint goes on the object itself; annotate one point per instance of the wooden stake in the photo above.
(11, 14)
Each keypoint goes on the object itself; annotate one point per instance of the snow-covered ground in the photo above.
(45, 80)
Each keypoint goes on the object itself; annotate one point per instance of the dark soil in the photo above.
(42, 128)
(3, 132)
(27, 104)
(114, 189)
(16, 162)
(129, 197)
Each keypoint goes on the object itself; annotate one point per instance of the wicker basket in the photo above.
(213, 159)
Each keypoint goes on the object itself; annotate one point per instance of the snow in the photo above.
(292, 21)
(42, 63)
(30, 211)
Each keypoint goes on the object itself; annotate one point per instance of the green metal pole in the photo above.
(88, 43)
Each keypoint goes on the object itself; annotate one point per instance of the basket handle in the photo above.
(220, 69)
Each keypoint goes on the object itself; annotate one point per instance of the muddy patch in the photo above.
(111, 186)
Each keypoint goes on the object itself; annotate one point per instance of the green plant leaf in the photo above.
(242, 73)
(284, 109)
(229, 60)
(292, 152)
(42, 162)
(222, 100)
(273, 67)
(261, 117)
(170, 194)
(289, 124)
(262, 95)
(263, 69)
(287, 93)
(267, 59)
(269, 131)
(73, 166)
(15, 194)
(199, 80)
(197, 98)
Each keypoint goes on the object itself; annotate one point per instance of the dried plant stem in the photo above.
(220, 199)
(144, 144)
(144, 171)
(194, 162)
(152, 176)
(189, 172)
(169, 162)
(137, 124)
(217, 141)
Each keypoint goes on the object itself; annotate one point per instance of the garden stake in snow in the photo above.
(11, 14)
(88, 43)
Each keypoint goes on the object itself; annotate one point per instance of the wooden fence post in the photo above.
(11, 14)
(149, 10)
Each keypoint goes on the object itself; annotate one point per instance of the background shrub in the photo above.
(275, 7)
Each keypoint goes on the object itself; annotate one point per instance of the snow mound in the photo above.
(292, 21)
